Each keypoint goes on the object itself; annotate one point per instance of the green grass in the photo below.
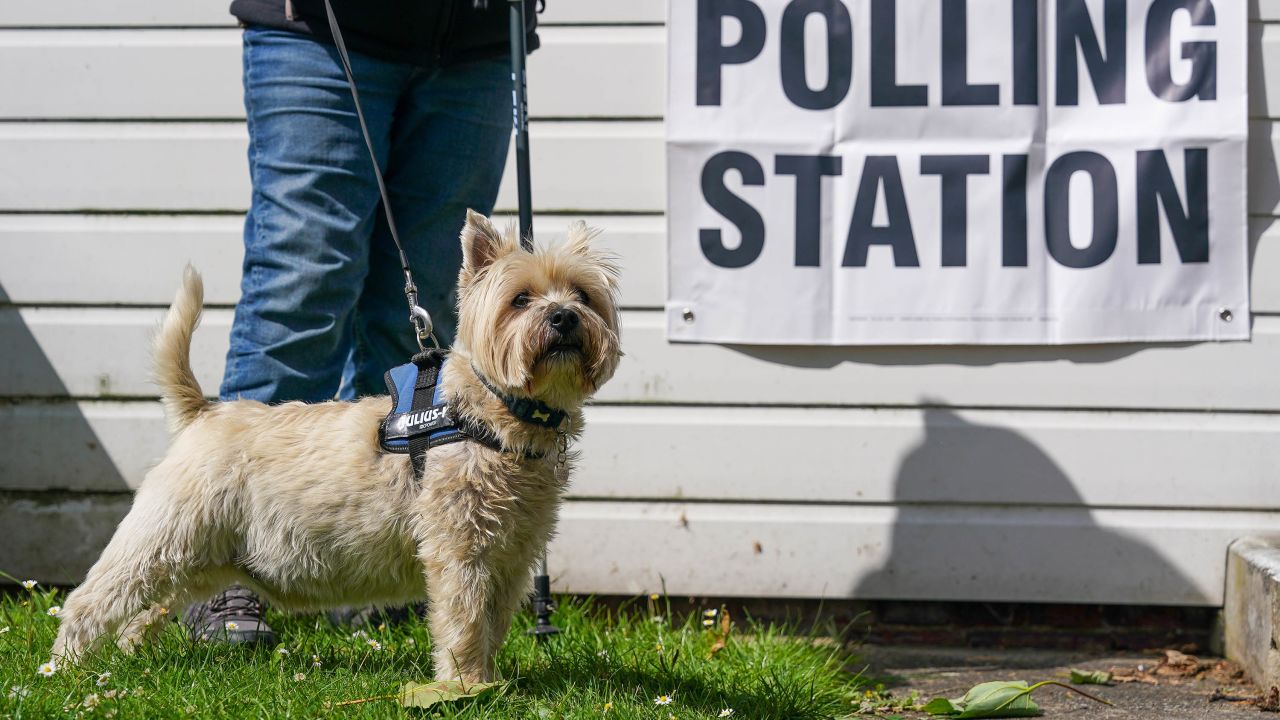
(609, 663)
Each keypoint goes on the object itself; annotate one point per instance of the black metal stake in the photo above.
(542, 604)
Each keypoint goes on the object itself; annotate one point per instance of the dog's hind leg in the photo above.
(146, 625)
(148, 560)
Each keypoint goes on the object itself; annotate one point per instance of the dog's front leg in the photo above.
(460, 594)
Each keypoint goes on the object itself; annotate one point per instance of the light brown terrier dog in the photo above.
(301, 504)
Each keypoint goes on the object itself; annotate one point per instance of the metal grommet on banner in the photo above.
(687, 314)
(1225, 315)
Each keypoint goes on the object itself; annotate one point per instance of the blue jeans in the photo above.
(322, 311)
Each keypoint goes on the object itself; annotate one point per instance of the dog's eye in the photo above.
(583, 297)
(521, 300)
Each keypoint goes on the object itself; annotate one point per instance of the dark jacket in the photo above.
(429, 33)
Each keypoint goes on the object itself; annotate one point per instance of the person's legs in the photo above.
(448, 148)
(306, 242)
(312, 213)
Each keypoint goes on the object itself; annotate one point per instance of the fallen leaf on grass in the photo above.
(722, 637)
(427, 694)
(1098, 677)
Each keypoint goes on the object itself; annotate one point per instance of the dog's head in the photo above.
(541, 323)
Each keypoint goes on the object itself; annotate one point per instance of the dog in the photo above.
(300, 503)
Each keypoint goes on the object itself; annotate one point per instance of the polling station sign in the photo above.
(849, 172)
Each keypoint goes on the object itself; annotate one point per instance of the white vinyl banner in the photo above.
(846, 172)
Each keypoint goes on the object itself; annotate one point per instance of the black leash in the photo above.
(419, 318)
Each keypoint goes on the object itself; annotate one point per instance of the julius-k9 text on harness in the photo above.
(420, 418)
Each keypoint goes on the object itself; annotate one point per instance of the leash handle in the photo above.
(419, 318)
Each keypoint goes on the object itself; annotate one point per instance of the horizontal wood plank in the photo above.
(938, 553)
(924, 553)
(578, 72)
(589, 167)
(102, 353)
(146, 74)
(213, 13)
(818, 455)
(577, 166)
(56, 259)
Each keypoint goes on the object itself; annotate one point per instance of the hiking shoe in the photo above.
(233, 616)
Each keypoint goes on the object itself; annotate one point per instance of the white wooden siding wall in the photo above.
(1083, 474)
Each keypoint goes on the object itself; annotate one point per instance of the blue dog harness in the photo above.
(420, 419)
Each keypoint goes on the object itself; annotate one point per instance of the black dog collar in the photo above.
(534, 412)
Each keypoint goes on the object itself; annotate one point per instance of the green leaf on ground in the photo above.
(444, 691)
(1099, 677)
(998, 699)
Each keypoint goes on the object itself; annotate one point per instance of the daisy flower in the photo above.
(708, 622)
(48, 669)
(28, 584)
(232, 625)
(315, 661)
(608, 706)
(299, 677)
(54, 610)
(662, 700)
(654, 596)
(374, 644)
(163, 611)
(4, 629)
(710, 613)
(103, 678)
(282, 650)
(727, 712)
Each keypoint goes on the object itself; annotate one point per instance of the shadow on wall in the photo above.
(1264, 174)
(992, 544)
(61, 494)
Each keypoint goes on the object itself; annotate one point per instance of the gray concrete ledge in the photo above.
(1251, 616)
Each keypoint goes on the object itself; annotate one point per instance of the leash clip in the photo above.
(418, 317)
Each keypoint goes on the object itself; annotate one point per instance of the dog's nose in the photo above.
(563, 320)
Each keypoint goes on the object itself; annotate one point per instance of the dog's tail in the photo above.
(183, 399)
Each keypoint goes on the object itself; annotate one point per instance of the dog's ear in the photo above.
(579, 238)
(481, 245)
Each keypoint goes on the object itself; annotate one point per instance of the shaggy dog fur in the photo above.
(301, 504)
